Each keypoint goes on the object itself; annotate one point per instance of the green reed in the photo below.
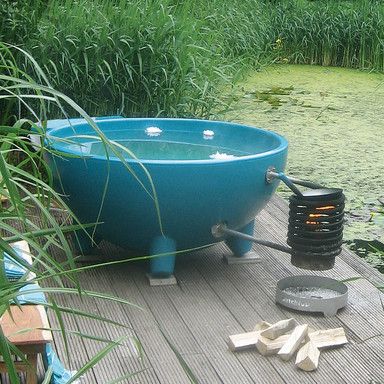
(172, 57)
(337, 33)
(134, 58)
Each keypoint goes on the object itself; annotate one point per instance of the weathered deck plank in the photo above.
(264, 291)
(188, 324)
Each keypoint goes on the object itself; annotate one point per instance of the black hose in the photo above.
(304, 183)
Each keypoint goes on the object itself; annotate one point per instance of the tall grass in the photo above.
(336, 33)
(137, 58)
(172, 57)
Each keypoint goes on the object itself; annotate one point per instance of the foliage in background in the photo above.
(172, 57)
(137, 58)
(336, 33)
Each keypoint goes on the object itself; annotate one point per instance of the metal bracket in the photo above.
(217, 230)
(271, 174)
(247, 258)
(161, 281)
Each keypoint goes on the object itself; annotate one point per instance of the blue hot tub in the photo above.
(192, 174)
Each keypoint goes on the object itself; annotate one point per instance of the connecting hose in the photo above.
(220, 230)
(290, 181)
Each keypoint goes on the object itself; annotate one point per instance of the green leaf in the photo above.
(8, 359)
(95, 359)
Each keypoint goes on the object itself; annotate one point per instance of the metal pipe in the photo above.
(221, 229)
(304, 183)
(287, 181)
(290, 181)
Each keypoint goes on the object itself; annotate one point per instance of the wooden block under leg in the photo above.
(279, 328)
(307, 357)
(295, 339)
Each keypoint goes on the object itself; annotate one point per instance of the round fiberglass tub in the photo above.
(192, 174)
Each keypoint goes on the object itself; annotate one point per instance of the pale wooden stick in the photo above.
(307, 357)
(268, 347)
(279, 328)
(261, 325)
(248, 339)
(326, 338)
(290, 347)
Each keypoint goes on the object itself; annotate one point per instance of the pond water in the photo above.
(333, 119)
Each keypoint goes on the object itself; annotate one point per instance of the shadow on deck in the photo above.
(183, 329)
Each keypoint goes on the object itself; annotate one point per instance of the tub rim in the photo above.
(283, 143)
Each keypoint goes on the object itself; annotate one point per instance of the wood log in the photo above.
(261, 325)
(268, 347)
(307, 357)
(327, 338)
(279, 328)
(246, 340)
(294, 341)
(321, 339)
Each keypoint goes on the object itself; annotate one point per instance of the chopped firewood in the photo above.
(261, 325)
(280, 339)
(246, 340)
(295, 339)
(279, 328)
(326, 338)
(307, 357)
(269, 347)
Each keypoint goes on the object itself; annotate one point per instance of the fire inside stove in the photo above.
(315, 229)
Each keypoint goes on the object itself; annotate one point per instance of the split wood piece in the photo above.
(268, 347)
(326, 338)
(295, 339)
(261, 325)
(279, 328)
(307, 357)
(321, 339)
(248, 339)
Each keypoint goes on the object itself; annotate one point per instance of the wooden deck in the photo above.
(183, 329)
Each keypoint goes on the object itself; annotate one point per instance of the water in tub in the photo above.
(157, 147)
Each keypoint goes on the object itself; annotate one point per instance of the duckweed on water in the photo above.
(333, 120)
(271, 95)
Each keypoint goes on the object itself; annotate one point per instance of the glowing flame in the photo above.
(326, 208)
(314, 215)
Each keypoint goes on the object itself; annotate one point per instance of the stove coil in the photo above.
(315, 229)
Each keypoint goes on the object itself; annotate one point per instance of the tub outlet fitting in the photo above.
(217, 230)
(271, 174)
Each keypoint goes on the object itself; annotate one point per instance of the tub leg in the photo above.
(242, 249)
(162, 267)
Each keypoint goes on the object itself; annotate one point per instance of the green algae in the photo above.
(333, 119)
(270, 95)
